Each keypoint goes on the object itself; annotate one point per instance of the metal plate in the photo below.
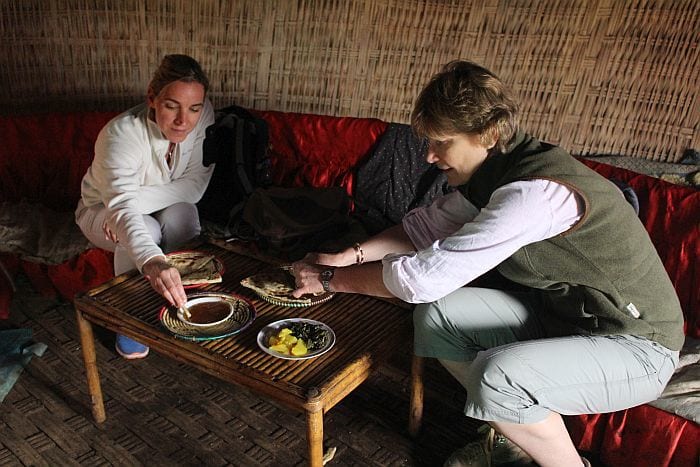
(273, 328)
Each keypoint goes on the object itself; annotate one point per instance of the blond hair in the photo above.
(177, 67)
(466, 98)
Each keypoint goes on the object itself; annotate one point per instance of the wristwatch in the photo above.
(326, 277)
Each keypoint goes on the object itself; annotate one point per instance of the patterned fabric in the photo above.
(395, 178)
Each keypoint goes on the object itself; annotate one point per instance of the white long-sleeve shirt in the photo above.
(130, 177)
(457, 243)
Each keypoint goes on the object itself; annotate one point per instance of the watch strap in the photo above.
(326, 277)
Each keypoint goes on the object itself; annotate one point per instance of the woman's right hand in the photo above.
(165, 279)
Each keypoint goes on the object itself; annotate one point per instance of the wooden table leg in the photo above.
(87, 342)
(314, 437)
(416, 414)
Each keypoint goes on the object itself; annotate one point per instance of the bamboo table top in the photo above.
(367, 331)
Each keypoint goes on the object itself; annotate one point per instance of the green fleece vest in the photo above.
(602, 276)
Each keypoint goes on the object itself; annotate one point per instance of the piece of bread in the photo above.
(277, 284)
(196, 268)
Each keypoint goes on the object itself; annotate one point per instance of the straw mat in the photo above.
(595, 76)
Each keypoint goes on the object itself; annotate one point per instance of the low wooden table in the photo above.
(367, 331)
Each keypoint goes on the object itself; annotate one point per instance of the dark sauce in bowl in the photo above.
(209, 312)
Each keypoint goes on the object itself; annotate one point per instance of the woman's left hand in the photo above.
(165, 279)
(307, 278)
(110, 234)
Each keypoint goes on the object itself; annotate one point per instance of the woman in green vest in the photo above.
(586, 319)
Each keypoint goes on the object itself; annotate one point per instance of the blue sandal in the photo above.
(129, 348)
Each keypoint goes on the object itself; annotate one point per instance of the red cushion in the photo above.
(640, 436)
(317, 150)
(43, 157)
(89, 269)
(37, 274)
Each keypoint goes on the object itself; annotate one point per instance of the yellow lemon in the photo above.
(299, 348)
(280, 348)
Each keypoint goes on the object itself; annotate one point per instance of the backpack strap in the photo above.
(240, 129)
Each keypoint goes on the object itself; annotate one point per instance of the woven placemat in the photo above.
(242, 316)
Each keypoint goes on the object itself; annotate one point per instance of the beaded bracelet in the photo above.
(359, 254)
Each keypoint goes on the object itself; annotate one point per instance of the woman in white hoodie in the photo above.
(138, 196)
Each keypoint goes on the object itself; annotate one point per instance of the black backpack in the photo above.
(237, 142)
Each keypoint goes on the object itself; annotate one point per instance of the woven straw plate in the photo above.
(280, 277)
(243, 315)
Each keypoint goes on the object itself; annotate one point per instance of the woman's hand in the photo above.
(165, 279)
(307, 278)
(109, 233)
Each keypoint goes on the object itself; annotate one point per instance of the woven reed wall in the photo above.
(599, 76)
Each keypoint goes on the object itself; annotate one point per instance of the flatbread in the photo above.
(277, 285)
(196, 268)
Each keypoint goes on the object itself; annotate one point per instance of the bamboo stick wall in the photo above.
(598, 77)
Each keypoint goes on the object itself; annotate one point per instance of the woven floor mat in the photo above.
(160, 412)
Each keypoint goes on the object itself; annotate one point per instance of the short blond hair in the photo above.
(466, 98)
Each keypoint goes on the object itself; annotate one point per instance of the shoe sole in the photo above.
(132, 356)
